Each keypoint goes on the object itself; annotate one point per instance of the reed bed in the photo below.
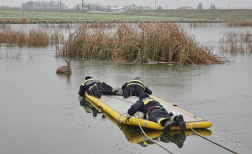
(38, 38)
(143, 42)
(11, 37)
(34, 37)
(240, 23)
(236, 42)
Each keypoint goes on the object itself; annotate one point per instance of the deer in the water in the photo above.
(65, 69)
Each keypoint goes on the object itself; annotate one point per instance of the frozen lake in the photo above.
(41, 113)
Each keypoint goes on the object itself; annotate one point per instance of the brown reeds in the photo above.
(144, 42)
(56, 38)
(38, 38)
(236, 42)
(24, 21)
(34, 37)
(11, 37)
(240, 23)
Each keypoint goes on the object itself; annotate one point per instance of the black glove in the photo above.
(171, 113)
(128, 117)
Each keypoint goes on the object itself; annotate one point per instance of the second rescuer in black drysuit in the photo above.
(156, 113)
(135, 87)
(95, 87)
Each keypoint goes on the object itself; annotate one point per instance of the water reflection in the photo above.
(89, 108)
(135, 135)
(65, 76)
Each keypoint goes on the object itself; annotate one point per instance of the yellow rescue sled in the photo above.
(116, 106)
(135, 135)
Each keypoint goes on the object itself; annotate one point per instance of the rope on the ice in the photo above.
(147, 135)
(151, 138)
(210, 140)
(120, 99)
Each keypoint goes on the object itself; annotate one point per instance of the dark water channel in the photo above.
(41, 113)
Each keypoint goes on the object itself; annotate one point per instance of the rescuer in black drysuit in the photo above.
(95, 87)
(155, 112)
(135, 87)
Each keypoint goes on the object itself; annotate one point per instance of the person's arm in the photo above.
(124, 86)
(81, 91)
(148, 91)
(135, 107)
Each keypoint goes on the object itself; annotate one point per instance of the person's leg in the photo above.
(107, 87)
(139, 91)
(157, 115)
(168, 124)
(101, 89)
(94, 90)
(180, 122)
(178, 119)
(126, 92)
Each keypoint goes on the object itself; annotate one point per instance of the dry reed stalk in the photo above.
(56, 38)
(1, 37)
(236, 42)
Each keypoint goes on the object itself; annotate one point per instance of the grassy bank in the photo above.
(133, 15)
(221, 14)
(61, 15)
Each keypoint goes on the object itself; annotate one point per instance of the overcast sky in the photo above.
(169, 4)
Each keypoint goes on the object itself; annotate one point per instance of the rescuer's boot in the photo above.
(96, 92)
(180, 122)
(168, 125)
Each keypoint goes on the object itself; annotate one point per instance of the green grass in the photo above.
(134, 15)
(221, 14)
(61, 15)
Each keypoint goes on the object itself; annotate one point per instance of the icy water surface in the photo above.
(41, 113)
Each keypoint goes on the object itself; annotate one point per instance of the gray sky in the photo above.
(169, 4)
